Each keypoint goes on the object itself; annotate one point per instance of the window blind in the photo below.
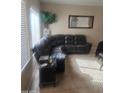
(25, 48)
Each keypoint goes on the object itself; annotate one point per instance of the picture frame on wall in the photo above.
(80, 21)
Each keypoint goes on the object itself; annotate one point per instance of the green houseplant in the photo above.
(47, 18)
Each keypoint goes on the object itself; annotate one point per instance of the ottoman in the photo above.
(47, 74)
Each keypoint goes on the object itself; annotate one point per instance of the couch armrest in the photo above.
(89, 45)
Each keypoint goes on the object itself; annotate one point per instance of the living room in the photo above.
(80, 61)
(83, 71)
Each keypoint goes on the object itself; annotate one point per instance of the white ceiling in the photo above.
(76, 2)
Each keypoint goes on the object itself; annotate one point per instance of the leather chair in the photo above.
(99, 48)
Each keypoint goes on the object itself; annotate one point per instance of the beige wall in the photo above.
(61, 26)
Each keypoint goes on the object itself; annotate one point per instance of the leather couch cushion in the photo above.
(70, 49)
(80, 40)
(56, 40)
(69, 40)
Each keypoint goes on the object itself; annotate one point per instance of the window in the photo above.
(35, 26)
(25, 45)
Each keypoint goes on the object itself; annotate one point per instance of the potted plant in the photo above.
(47, 18)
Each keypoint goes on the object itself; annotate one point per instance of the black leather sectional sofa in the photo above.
(57, 47)
(69, 44)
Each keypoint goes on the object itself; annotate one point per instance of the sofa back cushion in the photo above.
(69, 40)
(80, 40)
(56, 40)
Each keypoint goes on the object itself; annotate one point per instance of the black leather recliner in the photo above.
(99, 48)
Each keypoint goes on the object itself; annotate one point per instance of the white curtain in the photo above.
(35, 26)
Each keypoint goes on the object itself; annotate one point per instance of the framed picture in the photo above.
(77, 21)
